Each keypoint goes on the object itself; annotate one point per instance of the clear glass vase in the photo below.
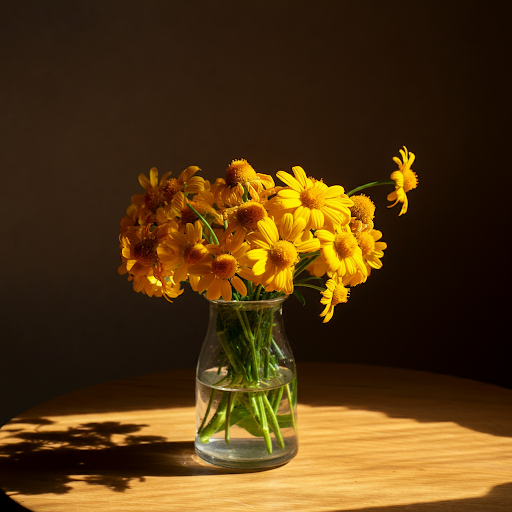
(246, 387)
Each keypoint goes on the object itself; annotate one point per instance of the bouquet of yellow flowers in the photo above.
(243, 239)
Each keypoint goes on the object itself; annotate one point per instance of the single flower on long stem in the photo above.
(405, 180)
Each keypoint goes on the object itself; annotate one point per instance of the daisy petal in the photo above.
(290, 181)
(239, 286)
(226, 290)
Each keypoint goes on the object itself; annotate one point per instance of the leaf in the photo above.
(299, 296)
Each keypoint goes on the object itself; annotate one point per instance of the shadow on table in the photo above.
(39, 461)
(114, 455)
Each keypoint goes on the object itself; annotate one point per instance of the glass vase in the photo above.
(246, 387)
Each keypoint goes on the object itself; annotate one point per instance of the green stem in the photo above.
(203, 220)
(290, 402)
(305, 263)
(258, 291)
(310, 286)
(372, 184)
(207, 413)
(277, 399)
(273, 422)
(216, 422)
(264, 423)
(231, 401)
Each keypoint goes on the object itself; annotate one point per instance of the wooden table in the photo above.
(371, 439)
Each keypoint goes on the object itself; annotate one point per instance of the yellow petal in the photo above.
(214, 290)
(268, 229)
(259, 267)
(153, 176)
(205, 282)
(334, 191)
(288, 194)
(317, 219)
(309, 245)
(239, 286)
(226, 290)
(144, 182)
(301, 177)
(290, 181)
(287, 226)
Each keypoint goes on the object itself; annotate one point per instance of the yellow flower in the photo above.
(341, 252)
(219, 272)
(160, 194)
(363, 213)
(245, 217)
(140, 248)
(405, 179)
(372, 251)
(240, 174)
(335, 293)
(311, 199)
(151, 286)
(181, 251)
(185, 182)
(184, 215)
(276, 252)
(154, 197)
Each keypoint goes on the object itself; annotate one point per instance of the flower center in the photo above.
(249, 213)
(239, 171)
(340, 294)
(194, 253)
(410, 180)
(154, 199)
(145, 251)
(345, 245)
(224, 266)
(363, 209)
(366, 242)
(171, 188)
(188, 216)
(312, 198)
(283, 254)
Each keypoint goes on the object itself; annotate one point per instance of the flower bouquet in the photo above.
(247, 244)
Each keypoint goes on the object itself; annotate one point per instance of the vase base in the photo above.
(218, 453)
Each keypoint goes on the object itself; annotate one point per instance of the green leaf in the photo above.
(299, 296)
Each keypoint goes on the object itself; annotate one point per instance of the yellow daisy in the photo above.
(154, 197)
(363, 213)
(372, 250)
(245, 217)
(275, 252)
(186, 182)
(139, 248)
(221, 271)
(241, 174)
(151, 286)
(311, 199)
(335, 293)
(405, 179)
(181, 251)
(183, 215)
(341, 252)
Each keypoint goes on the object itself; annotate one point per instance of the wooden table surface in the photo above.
(371, 439)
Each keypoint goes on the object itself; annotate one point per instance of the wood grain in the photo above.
(371, 439)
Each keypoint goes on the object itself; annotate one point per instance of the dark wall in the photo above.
(93, 93)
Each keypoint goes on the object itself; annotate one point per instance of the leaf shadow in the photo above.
(108, 453)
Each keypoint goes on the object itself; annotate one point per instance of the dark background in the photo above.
(94, 93)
